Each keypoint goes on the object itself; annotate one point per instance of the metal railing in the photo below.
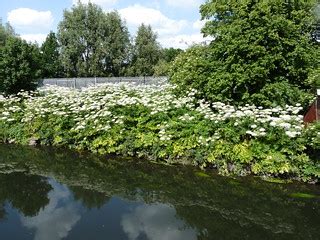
(86, 82)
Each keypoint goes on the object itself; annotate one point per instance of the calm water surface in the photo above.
(48, 194)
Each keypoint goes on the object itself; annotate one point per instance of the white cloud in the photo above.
(170, 31)
(156, 222)
(199, 24)
(38, 38)
(183, 41)
(26, 19)
(137, 14)
(184, 3)
(102, 3)
(54, 222)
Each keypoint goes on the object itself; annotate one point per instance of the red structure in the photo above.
(313, 114)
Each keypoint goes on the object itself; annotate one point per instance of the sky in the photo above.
(176, 22)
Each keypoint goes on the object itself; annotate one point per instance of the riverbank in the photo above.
(154, 122)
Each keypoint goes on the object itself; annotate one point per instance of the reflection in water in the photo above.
(156, 222)
(157, 202)
(55, 220)
(90, 199)
(26, 193)
(2, 212)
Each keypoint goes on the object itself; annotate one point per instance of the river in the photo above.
(53, 194)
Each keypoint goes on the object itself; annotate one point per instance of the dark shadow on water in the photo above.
(17, 187)
(50, 193)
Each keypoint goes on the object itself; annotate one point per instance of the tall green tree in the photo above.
(263, 51)
(20, 66)
(6, 31)
(81, 36)
(146, 52)
(92, 43)
(51, 65)
(117, 45)
(168, 55)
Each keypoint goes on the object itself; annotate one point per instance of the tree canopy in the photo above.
(263, 52)
(167, 56)
(118, 45)
(20, 66)
(6, 31)
(92, 43)
(51, 65)
(146, 52)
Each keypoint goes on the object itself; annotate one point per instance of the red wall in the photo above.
(318, 108)
(311, 115)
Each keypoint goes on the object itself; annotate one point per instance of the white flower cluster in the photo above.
(2, 98)
(98, 106)
(286, 118)
(163, 135)
(186, 117)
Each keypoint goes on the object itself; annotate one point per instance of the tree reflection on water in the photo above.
(157, 201)
(26, 193)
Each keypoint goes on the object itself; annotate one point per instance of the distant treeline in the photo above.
(88, 43)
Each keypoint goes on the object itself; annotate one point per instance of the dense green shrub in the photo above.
(20, 66)
(262, 53)
(155, 123)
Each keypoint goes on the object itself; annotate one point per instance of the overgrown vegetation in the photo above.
(153, 122)
(235, 104)
(263, 53)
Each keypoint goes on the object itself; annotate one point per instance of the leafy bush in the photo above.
(262, 53)
(19, 66)
(154, 123)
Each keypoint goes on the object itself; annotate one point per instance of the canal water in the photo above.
(52, 194)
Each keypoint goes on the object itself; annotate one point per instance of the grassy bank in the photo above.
(155, 123)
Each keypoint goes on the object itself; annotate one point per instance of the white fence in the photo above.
(85, 82)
